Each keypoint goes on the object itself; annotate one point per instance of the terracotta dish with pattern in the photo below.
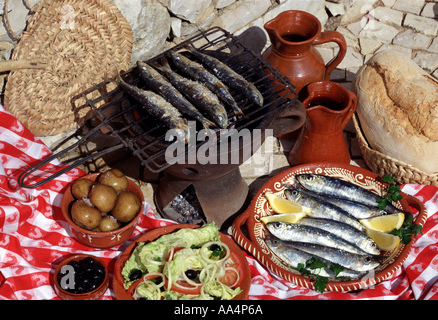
(122, 294)
(253, 239)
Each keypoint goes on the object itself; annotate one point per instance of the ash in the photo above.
(188, 208)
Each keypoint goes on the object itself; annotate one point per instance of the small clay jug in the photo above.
(293, 34)
(329, 107)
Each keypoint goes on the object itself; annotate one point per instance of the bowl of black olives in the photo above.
(102, 208)
(81, 277)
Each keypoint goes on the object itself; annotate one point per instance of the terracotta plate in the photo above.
(259, 207)
(122, 294)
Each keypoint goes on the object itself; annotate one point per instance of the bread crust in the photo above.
(398, 109)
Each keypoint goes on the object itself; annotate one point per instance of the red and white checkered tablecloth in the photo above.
(34, 237)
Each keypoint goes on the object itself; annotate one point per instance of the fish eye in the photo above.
(367, 259)
(294, 192)
(309, 178)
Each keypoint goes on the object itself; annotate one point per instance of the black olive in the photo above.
(89, 261)
(191, 274)
(97, 277)
(135, 275)
(74, 264)
(99, 269)
(215, 247)
(88, 275)
(79, 289)
(92, 285)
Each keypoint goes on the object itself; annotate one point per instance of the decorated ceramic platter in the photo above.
(254, 234)
(236, 254)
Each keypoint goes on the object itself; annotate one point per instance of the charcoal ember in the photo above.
(188, 208)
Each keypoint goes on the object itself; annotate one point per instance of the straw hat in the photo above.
(83, 42)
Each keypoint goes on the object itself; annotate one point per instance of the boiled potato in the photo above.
(127, 206)
(80, 188)
(108, 223)
(103, 197)
(114, 178)
(85, 215)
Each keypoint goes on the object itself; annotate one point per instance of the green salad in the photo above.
(185, 264)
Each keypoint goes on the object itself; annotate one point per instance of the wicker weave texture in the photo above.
(83, 42)
(382, 164)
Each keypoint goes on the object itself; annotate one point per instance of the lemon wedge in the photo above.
(284, 217)
(282, 205)
(385, 241)
(385, 223)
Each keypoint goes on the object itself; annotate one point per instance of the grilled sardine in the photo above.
(158, 107)
(200, 95)
(296, 232)
(200, 74)
(160, 85)
(230, 77)
(338, 188)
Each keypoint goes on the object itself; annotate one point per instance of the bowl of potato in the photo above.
(102, 209)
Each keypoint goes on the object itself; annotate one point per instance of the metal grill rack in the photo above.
(120, 116)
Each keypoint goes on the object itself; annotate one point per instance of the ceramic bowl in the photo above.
(100, 239)
(253, 238)
(92, 295)
(117, 283)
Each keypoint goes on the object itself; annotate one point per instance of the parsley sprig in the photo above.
(407, 230)
(315, 264)
(393, 195)
(392, 192)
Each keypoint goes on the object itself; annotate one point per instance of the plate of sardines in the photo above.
(334, 240)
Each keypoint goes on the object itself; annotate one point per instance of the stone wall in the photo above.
(157, 24)
(368, 25)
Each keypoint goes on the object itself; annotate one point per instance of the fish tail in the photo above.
(164, 63)
(207, 124)
(241, 114)
(118, 79)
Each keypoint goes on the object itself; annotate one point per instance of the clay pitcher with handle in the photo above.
(293, 34)
(329, 107)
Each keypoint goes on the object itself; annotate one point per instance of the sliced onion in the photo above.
(189, 281)
(155, 262)
(172, 252)
(158, 274)
(169, 277)
(176, 284)
(148, 282)
(238, 275)
(209, 277)
(220, 272)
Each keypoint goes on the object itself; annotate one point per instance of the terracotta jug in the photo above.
(329, 107)
(293, 34)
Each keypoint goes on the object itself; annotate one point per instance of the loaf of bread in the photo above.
(398, 109)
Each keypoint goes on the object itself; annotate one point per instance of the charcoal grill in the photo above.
(217, 190)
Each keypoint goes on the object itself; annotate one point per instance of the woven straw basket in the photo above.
(83, 42)
(382, 164)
